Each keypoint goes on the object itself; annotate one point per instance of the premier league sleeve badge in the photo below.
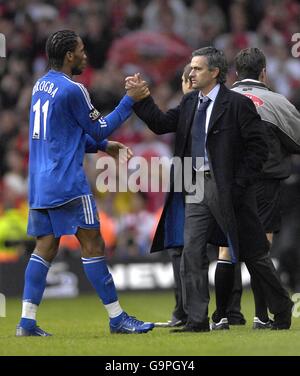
(94, 114)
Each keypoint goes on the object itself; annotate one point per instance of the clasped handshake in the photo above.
(136, 88)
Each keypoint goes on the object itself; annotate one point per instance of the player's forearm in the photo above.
(91, 146)
(105, 126)
(118, 116)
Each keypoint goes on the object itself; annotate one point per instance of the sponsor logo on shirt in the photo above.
(256, 100)
(94, 114)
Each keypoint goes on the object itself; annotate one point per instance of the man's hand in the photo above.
(119, 151)
(136, 87)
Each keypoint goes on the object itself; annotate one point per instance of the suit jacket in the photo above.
(236, 148)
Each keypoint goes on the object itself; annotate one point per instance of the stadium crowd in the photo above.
(155, 38)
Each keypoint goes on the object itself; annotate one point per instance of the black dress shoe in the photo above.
(221, 325)
(192, 328)
(234, 318)
(283, 319)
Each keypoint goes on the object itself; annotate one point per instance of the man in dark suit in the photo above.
(233, 149)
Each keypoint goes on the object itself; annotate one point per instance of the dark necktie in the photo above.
(198, 132)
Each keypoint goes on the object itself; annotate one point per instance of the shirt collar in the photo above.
(212, 95)
(251, 82)
(248, 79)
(58, 72)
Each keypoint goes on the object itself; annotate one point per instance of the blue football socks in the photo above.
(35, 283)
(98, 274)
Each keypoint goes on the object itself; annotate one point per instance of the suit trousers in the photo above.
(175, 256)
(234, 304)
(200, 220)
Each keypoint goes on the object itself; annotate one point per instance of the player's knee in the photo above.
(92, 251)
(47, 248)
(48, 255)
(93, 247)
(102, 243)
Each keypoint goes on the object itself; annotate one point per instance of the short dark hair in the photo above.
(249, 63)
(215, 59)
(186, 72)
(58, 44)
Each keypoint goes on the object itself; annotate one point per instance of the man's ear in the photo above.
(216, 72)
(69, 55)
(263, 75)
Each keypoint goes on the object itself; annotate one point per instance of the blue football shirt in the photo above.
(63, 126)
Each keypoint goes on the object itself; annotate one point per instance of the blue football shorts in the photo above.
(65, 219)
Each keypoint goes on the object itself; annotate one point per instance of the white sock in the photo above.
(29, 310)
(113, 309)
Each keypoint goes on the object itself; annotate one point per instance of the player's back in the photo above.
(56, 142)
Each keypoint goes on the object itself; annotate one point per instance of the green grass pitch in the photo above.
(80, 327)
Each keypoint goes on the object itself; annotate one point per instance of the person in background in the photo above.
(282, 122)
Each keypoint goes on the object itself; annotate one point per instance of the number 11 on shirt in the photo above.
(37, 118)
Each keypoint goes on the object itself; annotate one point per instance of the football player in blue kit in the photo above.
(64, 125)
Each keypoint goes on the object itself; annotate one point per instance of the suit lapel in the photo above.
(191, 106)
(219, 107)
(189, 110)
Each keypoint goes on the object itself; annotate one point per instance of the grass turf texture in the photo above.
(80, 327)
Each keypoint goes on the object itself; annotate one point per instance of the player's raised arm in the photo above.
(90, 119)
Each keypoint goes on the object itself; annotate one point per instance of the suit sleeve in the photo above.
(90, 119)
(255, 145)
(158, 121)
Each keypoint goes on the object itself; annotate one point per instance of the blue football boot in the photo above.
(35, 332)
(130, 325)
